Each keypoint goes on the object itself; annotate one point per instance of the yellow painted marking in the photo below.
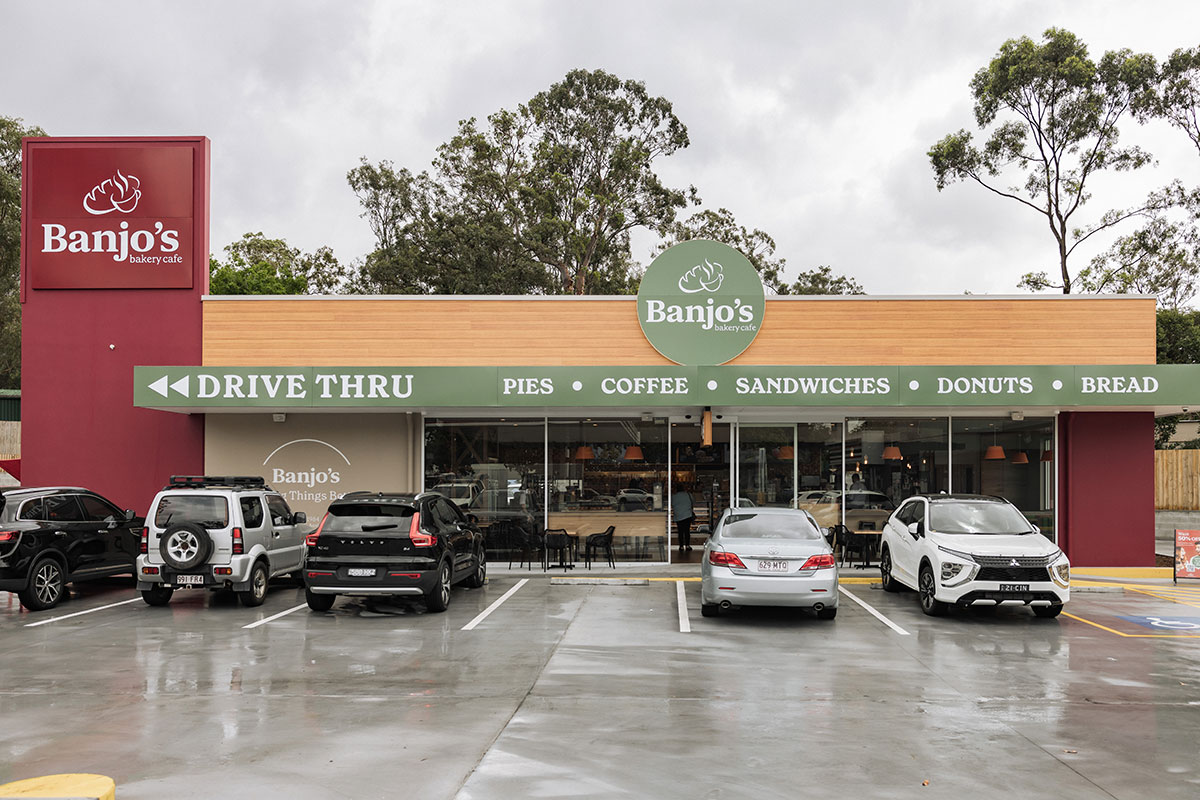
(1125, 572)
(1134, 635)
(1161, 596)
(91, 787)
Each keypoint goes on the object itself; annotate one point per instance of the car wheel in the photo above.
(827, 613)
(185, 546)
(46, 585)
(319, 602)
(479, 576)
(257, 593)
(1047, 612)
(927, 587)
(890, 584)
(709, 609)
(438, 598)
(157, 595)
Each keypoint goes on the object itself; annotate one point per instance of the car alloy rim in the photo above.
(46, 583)
(445, 588)
(260, 582)
(927, 588)
(885, 567)
(183, 545)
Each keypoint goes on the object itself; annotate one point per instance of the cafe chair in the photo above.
(856, 543)
(556, 541)
(597, 543)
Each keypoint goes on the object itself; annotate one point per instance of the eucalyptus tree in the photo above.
(1052, 115)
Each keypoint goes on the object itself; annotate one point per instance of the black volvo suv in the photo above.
(385, 544)
(55, 535)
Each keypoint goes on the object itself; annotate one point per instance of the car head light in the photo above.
(1060, 570)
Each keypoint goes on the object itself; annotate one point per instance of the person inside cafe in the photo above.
(684, 516)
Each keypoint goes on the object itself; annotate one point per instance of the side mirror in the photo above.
(916, 529)
(299, 518)
(129, 515)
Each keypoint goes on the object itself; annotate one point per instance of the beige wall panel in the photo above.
(377, 452)
(567, 332)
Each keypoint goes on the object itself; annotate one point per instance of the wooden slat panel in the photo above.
(569, 331)
(1177, 480)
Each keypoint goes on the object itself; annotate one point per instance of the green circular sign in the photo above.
(700, 303)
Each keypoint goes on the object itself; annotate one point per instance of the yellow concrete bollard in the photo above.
(83, 787)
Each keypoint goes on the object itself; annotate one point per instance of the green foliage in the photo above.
(11, 132)
(822, 281)
(540, 200)
(1162, 257)
(1178, 343)
(1176, 96)
(257, 265)
(1061, 113)
(720, 226)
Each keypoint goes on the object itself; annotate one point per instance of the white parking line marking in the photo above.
(470, 626)
(874, 613)
(274, 617)
(685, 625)
(81, 613)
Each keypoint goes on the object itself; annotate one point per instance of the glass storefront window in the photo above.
(897, 457)
(610, 473)
(1002, 456)
(703, 471)
(781, 465)
(495, 472)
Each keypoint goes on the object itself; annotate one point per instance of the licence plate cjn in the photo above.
(1014, 587)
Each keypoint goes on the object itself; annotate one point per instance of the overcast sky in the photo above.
(808, 120)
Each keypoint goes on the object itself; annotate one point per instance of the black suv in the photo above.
(390, 544)
(55, 535)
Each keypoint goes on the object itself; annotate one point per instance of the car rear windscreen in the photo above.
(981, 517)
(769, 526)
(207, 510)
(369, 518)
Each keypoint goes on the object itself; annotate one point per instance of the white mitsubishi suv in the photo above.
(964, 549)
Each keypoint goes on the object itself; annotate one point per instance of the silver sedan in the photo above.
(768, 557)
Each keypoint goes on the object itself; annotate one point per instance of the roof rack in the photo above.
(211, 481)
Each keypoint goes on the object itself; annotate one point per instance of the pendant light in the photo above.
(1047, 455)
(1020, 458)
(995, 452)
(584, 453)
(634, 453)
(787, 452)
(892, 453)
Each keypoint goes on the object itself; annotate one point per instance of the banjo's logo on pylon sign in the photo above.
(109, 215)
(701, 303)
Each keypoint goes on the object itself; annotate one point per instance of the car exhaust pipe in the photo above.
(818, 606)
(726, 605)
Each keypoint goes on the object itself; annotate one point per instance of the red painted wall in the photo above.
(79, 426)
(1106, 488)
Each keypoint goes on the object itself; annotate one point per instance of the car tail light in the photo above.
(8, 536)
(239, 546)
(144, 545)
(320, 574)
(149, 570)
(222, 570)
(722, 559)
(413, 575)
(311, 539)
(819, 562)
(419, 537)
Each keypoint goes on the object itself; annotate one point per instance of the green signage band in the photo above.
(199, 388)
(700, 302)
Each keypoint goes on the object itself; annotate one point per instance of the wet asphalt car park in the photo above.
(534, 688)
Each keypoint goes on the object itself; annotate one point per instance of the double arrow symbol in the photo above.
(182, 385)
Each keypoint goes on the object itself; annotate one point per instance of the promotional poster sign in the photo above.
(1187, 555)
(700, 303)
(114, 214)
